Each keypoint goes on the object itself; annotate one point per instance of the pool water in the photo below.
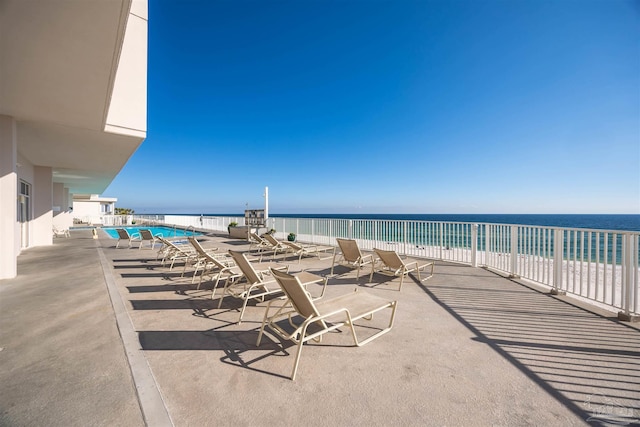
(166, 232)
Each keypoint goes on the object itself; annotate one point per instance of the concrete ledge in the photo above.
(240, 232)
(628, 317)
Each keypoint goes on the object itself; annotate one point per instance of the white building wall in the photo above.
(128, 108)
(86, 208)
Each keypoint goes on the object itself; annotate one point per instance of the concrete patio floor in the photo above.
(93, 335)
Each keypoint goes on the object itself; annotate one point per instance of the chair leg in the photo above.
(215, 285)
(295, 363)
(244, 306)
(333, 262)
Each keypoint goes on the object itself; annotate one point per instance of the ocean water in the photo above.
(594, 222)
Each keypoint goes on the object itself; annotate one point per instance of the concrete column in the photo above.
(62, 218)
(58, 199)
(42, 206)
(9, 231)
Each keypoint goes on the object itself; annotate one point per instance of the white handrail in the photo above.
(599, 265)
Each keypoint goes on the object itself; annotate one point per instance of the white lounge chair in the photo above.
(61, 232)
(310, 250)
(389, 263)
(301, 319)
(147, 236)
(255, 283)
(350, 256)
(123, 234)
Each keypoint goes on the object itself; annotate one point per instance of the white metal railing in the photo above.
(599, 265)
(100, 220)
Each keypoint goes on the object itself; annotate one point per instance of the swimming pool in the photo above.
(166, 232)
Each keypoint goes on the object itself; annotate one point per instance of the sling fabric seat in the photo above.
(258, 242)
(301, 250)
(389, 263)
(217, 267)
(350, 256)
(147, 236)
(317, 317)
(254, 283)
(274, 245)
(172, 251)
(124, 235)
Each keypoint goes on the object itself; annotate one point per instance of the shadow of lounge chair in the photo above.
(389, 263)
(317, 317)
(350, 256)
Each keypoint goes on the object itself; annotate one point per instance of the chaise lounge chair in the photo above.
(217, 267)
(311, 250)
(257, 283)
(258, 242)
(174, 252)
(389, 263)
(57, 232)
(350, 256)
(316, 315)
(124, 235)
(147, 236)
(274, 245)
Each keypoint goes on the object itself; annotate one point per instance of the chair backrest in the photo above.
(245, 266)
(293, 245)
(296, 293)
(146, 234)
(271, 240)
(390, 258)
(170, 244)
(123, 234)
(197, 246)
(350, 250)
(257, 238)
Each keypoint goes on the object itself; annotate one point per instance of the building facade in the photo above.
(73, 109)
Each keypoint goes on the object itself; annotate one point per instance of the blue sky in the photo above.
(390, 107)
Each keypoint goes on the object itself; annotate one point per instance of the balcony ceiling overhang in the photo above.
(58, 64)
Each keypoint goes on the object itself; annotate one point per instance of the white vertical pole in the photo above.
(266, 205)
(558, 248)
(474, 245)
(514, 252)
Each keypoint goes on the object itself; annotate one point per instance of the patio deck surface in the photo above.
(93, 335)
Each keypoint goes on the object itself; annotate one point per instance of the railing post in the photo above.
(441, 238)
(313, 231)
(558, 249)
(404, 226)
(629, 285)
(513, 273)
(350, 230)
(474, 245)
